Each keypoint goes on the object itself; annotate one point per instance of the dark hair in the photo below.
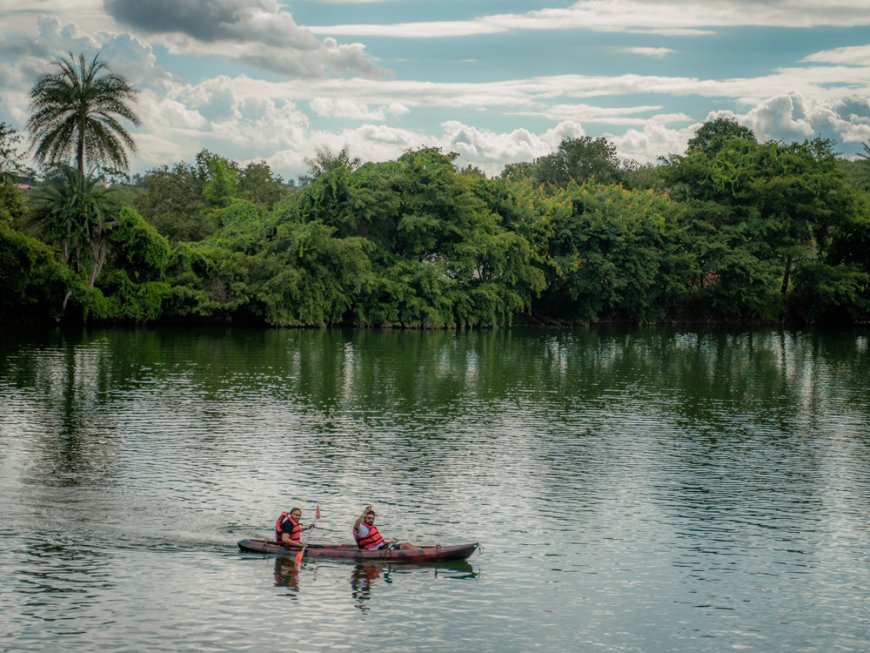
(294, 509)
(371, 512)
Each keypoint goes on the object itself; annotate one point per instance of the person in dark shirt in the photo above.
(288, 530)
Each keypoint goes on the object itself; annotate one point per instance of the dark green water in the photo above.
(633, 490)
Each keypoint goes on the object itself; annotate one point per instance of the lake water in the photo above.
(650, 490)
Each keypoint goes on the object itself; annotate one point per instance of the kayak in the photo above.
(435, 553)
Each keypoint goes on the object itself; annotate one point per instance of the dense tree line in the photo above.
(731, 230)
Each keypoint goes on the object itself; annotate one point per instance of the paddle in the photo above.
(302, 550)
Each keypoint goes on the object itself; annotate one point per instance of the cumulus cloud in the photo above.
(283, 121)
(254, 119)
(25, 58)
(490, 150)
(793, 117)
(256, 32)
(654, 140)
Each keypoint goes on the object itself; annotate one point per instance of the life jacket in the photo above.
(295, 533)
(370, 541)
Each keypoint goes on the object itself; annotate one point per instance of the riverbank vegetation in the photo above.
(731, 230)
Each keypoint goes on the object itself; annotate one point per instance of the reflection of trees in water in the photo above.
(748, 419)
(410, 372)
(66, 380)
(426, 384)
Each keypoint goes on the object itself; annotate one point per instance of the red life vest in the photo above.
(370, 541)
(295, 532)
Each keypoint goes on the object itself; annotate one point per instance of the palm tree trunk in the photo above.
(786, 275)
(99, 253)
(80, 148)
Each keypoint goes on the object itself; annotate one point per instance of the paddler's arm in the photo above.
(286, 541)
(361, 517)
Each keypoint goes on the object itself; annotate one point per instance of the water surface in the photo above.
(633, 490)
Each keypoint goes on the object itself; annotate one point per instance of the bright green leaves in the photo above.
(437, 251)
(615, 255)
(774, 208)
(33, 281)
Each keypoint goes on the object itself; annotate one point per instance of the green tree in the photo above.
(712, 135)
(756, 214)
(77, 213)
(863, 167)
(75, 112)
(258, 184)
(222, 185)
(32, 279)
(173, 201)
(325, 160)
(13, 208)
(580, 160)
(518, 172)
(134, 285)
(615, 255)
(11, 157)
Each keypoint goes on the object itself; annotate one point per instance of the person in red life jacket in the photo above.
(368, 537)
(288, 530)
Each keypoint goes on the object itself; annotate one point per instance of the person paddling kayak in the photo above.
(288, 530)
(367, 536)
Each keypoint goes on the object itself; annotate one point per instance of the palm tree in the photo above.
(74, 112)
(75, 212)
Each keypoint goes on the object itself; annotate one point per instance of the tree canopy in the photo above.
(75, 111)
(731, 230)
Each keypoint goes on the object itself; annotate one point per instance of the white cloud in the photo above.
(586, 113)
(656, 53)
(348, 108)
(793, 117)
(490, 150)
(345, 108)
(852, 56)
(172, 114)
(783, 116)
(247, 118)
(658, 16)
(654, 140)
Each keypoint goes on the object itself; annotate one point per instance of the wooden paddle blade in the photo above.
(317, 512)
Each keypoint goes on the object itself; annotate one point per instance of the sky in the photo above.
(496, 81)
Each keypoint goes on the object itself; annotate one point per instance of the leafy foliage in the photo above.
(33, 281)
(12, 165)
(173, 201)
(580, 160)
(74, 114)
(76, 213)
(13, 208)
(731, 230)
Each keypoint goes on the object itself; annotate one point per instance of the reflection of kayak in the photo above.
(352, 552)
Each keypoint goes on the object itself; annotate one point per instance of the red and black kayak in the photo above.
(418, 554)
